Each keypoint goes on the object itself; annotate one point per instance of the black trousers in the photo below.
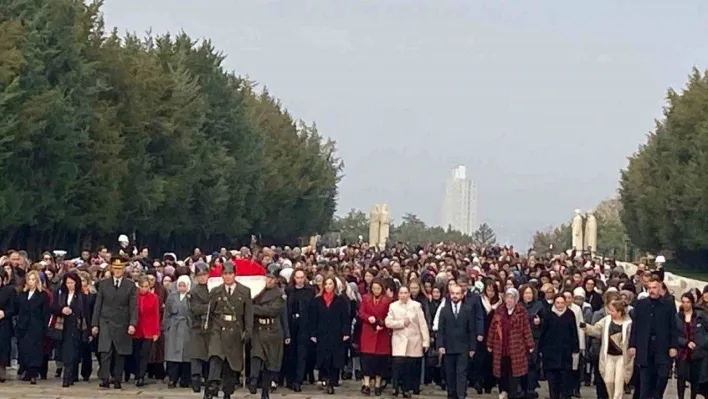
(220, 371)
(456, 374)
(108, 359)
(85, 361)
(404, 373)
(600, 388)
(179, 372)
(141, 353)
(295, 362)
(508, 383)
(558, 381)
(653, 379)
(199, 368)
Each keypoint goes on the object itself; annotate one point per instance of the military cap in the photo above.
(229, 268)
(117, 263)
(200, 268)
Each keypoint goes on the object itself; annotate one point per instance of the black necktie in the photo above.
(456, 309)
(116, 281)
(231, 290)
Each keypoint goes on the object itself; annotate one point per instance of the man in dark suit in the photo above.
(474, 302)
(654, 341)
(457, 341)
(115, 315)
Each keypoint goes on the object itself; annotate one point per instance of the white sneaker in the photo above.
(503, 395)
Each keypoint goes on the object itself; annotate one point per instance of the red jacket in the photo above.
(374, 342)
(518, 340)
(148, 316)
(216, 271)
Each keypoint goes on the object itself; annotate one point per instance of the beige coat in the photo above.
(408, 341)
(601, 330)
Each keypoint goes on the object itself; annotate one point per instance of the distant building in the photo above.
(460, 204)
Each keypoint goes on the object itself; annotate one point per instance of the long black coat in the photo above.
(75, 326)
(114, 311)
(662, 314)
(329, 326)
(8, 298)
(32, 322)
(298, 305)
(559, 340)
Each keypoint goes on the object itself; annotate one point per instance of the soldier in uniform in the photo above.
(230, 326)
(198, 299)
(268, 337)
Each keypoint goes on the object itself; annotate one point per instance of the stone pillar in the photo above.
(374, 225)
(384, 223)
(590, 238)
(577, 228)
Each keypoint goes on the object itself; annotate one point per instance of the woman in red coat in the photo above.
(147, 330)
(510, 342)
(375, 342)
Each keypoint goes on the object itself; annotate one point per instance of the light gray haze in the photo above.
(542, 100)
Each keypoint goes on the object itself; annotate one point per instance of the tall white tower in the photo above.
(460, 204)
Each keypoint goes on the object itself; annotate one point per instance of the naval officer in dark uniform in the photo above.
(268, 336)
(230, 326)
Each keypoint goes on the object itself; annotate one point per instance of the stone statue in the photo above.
(374, 224)
(577, 228)
(590, 232)
(384, 224)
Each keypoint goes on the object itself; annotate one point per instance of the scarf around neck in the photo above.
(328, 297)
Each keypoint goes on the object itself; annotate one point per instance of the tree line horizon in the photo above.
(152, 136)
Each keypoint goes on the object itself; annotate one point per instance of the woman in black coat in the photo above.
(8, 297)
(557, 344)
(299, 298)
(69, 306)
(32, 321)
(331, 327)
(535, 311)
(88, 346)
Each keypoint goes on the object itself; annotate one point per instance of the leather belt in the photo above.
(265, 322)
(228, 317)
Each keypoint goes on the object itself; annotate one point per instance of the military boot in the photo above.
(196, 383)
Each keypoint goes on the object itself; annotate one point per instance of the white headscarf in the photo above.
(186, 280)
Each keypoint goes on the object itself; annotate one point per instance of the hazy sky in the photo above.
(542, 100)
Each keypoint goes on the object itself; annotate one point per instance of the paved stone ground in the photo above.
(51, 388)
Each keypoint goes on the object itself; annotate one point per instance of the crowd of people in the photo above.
(460, 317)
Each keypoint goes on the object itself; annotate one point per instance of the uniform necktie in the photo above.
(231, 290)
(457, 309)
(116, 281)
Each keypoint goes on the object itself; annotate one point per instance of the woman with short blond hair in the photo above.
(32, 321)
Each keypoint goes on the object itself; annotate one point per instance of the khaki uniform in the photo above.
(230, 324)
(268, 336)
(198, 299)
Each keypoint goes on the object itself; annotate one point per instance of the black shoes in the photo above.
(366, 390)
(171, 385)
(297, 388)
(252, 386)
(104, 384)
(378, 391)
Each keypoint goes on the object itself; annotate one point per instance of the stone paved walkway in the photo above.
(51, 389)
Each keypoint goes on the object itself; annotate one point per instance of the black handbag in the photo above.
(56, 328)
(432, 358)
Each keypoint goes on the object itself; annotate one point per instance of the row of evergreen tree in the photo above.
(148, 136)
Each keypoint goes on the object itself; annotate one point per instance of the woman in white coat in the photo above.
(410, 340)
(616, 364)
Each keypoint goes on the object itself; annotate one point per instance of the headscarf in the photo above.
(514, 293)
(186, 280)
